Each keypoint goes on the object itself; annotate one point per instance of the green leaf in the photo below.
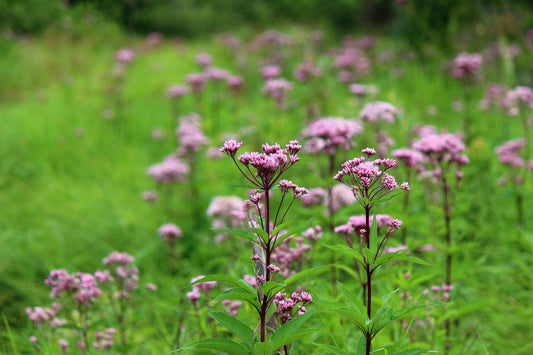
(261, 234)
(235, 326)
(385, 199)
(356, 254)
(352, 298)
(373, 238)
(220, 277)
(300, 334)
(411, 351)
(239, 233)
(353, 315)
(282, 336)
(397, 256)
(330, 349)
(238, 293)
(361, 345)
(228, 346)
(381, 351)
(298, 229)
(305, 273)
(260, 349)
(272, 286)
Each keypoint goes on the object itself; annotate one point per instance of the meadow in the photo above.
(89, 119)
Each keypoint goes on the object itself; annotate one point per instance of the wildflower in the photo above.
(125, 56)
(177, 91)
(172, 169)
(467, 65)
(306, 71)
(169, 232)
(204, 59)
(330, 134)
(373, 111)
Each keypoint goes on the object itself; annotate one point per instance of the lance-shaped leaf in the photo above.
(343, 249)
(225, 345)
(302, 274)
(298, 229)
(239, 233)
(235, 326)
(284, 334)
(238, 293)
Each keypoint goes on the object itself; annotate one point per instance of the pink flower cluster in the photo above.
(104, 340)
(378, 110)
(169, 233)
(177, 91)
(314, 197)
(288, 257)
(268, 166)
(289, 307)
(495, 95)
(439, 148)
(270, 72)
(227, 211)
(306, 71)
(520, 96)
(41, 315)
(370, 181)
(277, 89)
(330, 134)
(170, 170)
(125, 56)
(467, 65)
(82, 287)
(357, 224)
(205, 287)
(408, 157)
(360, 90)
(190, 135)
(123, 271)
(232, 307)
(352, 60)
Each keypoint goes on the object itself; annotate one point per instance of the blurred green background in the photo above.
(416, 21)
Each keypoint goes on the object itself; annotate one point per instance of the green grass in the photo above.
(68, 201)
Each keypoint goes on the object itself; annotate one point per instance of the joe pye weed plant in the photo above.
(371, 185)
(280, 317)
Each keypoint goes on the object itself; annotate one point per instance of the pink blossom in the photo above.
(373, 111)
(306, 71)
(125, 56)
(330, 134)
(177, 91)
(197, 82)
(204, 59)
(270, 72)
(467, 65)
(190, 135)
(169, 232)
(172, 169)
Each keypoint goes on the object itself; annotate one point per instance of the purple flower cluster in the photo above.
(81, 287)
(270, 72)
(378, 110)
(466, 66)
(104, 340)
(205, 287)
(408, 157)
(227, 211)
(277, 89)
(170, 170)
(169, 233)
(369, 177)
(264, 169)
(441, 148)
(290, 307)
(125, 56)
(190, 135)
(330, 134)
(357, 224)
(123, 271)
(177, 91)
(306, 71)
(288, 257)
